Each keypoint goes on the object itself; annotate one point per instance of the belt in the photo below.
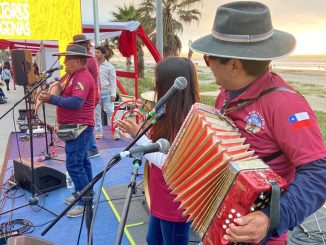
(69, 126)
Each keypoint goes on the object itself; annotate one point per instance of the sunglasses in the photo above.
(208, 58)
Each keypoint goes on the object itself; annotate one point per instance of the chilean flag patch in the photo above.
(300, 120)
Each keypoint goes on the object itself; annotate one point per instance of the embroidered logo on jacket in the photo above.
(300, 120)
(80, 86)
(254, 122)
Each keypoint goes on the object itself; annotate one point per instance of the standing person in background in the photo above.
(276, 120)
(108, 91)
(6, 76)
(3, 98)
(75, 110)
(167, 225)
(92, 67)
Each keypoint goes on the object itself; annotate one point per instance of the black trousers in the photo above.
(7, 83)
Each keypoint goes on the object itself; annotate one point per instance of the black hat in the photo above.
(74, 50)
(80, 38)
(244, 30)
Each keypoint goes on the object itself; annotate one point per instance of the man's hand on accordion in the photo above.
(251, 228)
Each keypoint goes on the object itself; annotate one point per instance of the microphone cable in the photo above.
(111, 164)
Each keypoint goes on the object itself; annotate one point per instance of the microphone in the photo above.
(60, 67)
(162, 145)
(180, 83)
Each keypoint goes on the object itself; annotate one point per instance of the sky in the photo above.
(306, 20)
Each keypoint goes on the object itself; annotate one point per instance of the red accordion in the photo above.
(214, 174)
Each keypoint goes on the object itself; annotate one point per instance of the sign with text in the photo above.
(40, 20)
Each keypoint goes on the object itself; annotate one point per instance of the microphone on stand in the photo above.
(60, 67)
(180, 83)
(162, 145)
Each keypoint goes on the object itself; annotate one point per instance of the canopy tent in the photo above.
(127, 32)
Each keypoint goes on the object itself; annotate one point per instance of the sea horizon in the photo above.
(304, 62)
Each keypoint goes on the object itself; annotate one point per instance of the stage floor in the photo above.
(67, 229)
(111, 203)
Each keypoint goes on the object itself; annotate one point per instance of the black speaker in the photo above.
(22, 67)
(46, 178)
(27, 240)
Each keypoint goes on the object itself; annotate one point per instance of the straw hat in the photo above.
(244, 30)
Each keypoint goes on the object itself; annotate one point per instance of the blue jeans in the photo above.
(92, 143)
(2, 94)
(161, 232)
(108, 107)
(77, 162)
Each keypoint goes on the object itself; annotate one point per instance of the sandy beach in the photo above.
(312, 84)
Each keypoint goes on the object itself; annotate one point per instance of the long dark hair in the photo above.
(179, 105)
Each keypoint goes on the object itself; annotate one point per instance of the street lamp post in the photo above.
(159, 26)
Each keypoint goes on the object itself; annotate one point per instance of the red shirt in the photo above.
(268, 124)
(277, 121)
(80, 84)
(92, 67)
(163, 205)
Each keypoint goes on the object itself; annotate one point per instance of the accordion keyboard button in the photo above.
(238, 215)
(224, 227)
(232, 210)
(230, 216)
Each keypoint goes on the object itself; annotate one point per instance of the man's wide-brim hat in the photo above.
(74, 50)
(80, 38)
(244, 30)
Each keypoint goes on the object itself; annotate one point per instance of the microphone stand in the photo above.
(111, 164)
(27, 97)
(41, 82)
(47, 156)
(88, 198)
(131, 190)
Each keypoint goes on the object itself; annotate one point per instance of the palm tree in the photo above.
(175, 14)
(109, 46)
(129, 13)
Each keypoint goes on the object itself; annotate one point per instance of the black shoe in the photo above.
(92, 154)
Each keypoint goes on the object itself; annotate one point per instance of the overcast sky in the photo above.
(305, 19)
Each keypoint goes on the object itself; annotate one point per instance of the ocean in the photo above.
(304, 63)
(295, 63)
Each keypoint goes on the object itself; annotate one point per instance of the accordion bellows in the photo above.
(208, 167)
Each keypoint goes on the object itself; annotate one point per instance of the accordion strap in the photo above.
(274, 216)
(245, 103)
(272, 156)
